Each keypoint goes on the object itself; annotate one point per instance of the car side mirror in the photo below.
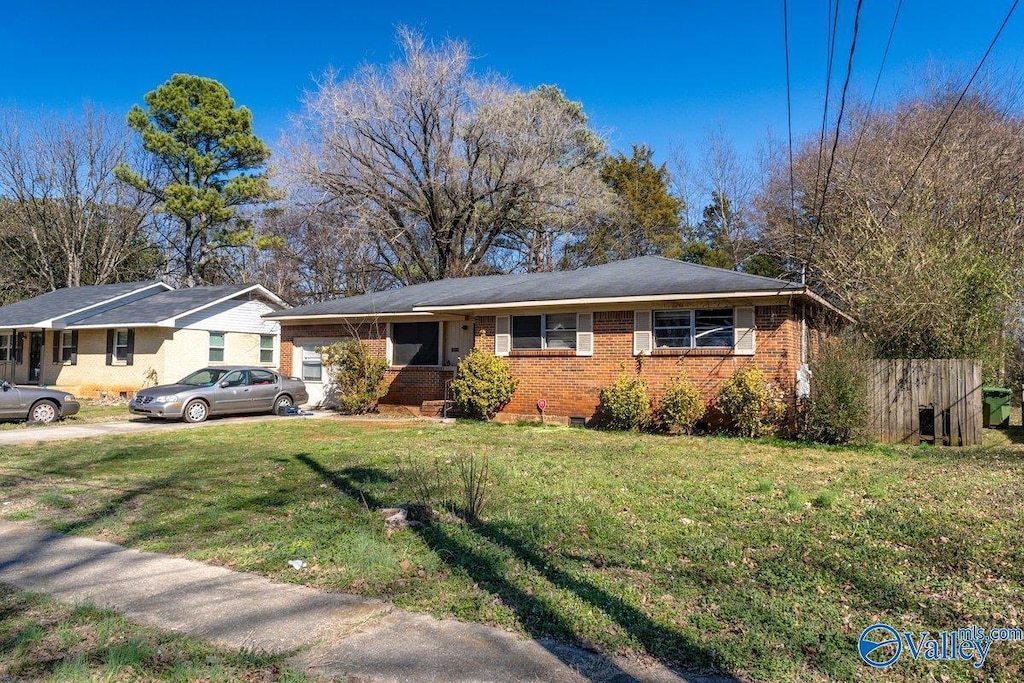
(5, 385)
(224, 384)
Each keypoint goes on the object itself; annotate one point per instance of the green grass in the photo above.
(45, 640)
(88, 414)
(761, 559)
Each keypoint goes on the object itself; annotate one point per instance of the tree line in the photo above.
(424, 169)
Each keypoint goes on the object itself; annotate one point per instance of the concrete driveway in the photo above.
(66, 432)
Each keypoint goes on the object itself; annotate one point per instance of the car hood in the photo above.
(167, 390)
(38, 392)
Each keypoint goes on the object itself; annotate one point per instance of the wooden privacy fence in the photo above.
(925, 401)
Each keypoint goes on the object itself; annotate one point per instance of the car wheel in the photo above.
(195, 411)
(283, 401)
(43, 412)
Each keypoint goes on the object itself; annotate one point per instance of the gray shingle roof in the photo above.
(637, 277)
(55, 305)
(162, 306)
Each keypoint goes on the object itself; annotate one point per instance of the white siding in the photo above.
(235, 315)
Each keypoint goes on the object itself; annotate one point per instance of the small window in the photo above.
(266, 348)
(550, 331)
(681, 329)
(415, 343)
(262, 377)
(121, 345)
(6, 353)
(216, 347)
(67, 346)
(312, 365)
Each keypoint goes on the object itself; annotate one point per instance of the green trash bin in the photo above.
(996, 406)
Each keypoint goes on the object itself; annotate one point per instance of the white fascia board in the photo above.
(602, 301)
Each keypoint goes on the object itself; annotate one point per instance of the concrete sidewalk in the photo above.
(67, 432)
(331, 635)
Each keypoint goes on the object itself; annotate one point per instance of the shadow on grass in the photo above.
(539, 618)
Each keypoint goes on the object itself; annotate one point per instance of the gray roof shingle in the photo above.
(170, 304)
(636, 277)
(62, 302)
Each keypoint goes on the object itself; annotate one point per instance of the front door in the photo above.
(10, 401)
(35, 358)
(458, 341)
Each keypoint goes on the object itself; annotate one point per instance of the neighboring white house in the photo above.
(115, 339)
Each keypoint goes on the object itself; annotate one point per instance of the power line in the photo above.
(874, 90)
(842, 106)
(789, 124)
(831, 26)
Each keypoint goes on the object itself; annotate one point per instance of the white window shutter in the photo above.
(643, 337)
(584, 334)
(744, 331)
(502, 335)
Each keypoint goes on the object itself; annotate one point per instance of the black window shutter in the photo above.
(16, 341)
(131, 347)
(74, 347)
(56, 346)
(110, 346)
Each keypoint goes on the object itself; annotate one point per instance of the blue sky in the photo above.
(660, 73)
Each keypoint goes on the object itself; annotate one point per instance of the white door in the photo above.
(458, 341)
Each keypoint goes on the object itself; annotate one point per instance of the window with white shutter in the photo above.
(642, 336)
(584, 334)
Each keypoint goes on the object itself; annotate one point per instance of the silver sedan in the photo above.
(223, 390)
(35, 404)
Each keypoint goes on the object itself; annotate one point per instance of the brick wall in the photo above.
(571, 385)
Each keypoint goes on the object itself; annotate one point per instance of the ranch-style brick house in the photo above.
(567, 334)
(112, 340)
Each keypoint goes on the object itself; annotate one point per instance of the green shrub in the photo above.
(356, 377)
(681, 406)
(625, 404)
(482, 385)
(752, 403)
(836, 411)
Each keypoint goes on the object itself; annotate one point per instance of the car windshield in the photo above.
(206, 377)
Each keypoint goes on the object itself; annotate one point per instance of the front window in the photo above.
(216, 347)
(67, 346)
(5, 348)
(206, 377)
(415, 343)
(235, 378)
(549, 331)
(121, 345)
(266, 348)
(312, 365)
(682, 329)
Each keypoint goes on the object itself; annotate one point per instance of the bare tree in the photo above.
(65, 220)
(923, 250)
(446, 173)
(728, 183)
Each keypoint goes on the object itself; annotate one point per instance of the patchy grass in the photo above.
(88, 414)
(44, 640)
(761, 559)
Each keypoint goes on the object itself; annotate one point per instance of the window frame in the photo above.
(544, 330)
(694, 339)
(211, 348)
(272, 349)
(6, 347)
(67, 346)
(116, 357)
(391, 344)
(305, 362)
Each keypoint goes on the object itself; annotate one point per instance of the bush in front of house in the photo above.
(356, 376)
(681, 407)
(483, 385)
(752, 403)
(625, 404)
(836, 411)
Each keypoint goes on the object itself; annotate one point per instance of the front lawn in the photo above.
(764, 560)
(45, 640)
